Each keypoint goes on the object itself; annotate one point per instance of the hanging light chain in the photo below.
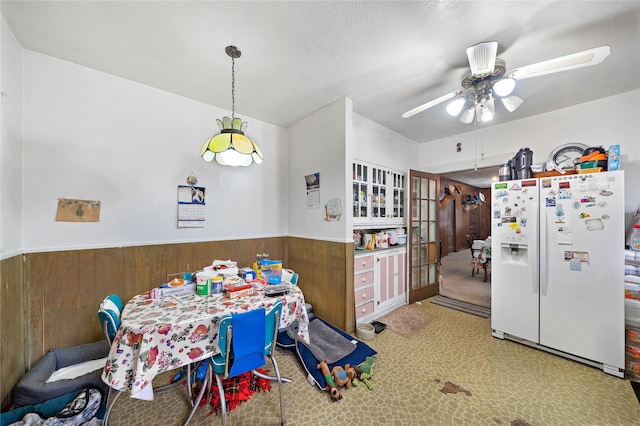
(233, 87)
(234, 53)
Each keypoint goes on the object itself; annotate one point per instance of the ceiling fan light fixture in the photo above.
(511, 103)
(485, 110)
(504, 87)
(482, 57)
(468, 115)
(455, 107)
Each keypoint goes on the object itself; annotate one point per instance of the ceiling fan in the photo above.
(487, 79)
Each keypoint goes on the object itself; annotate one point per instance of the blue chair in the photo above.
(290, 275)
(114, 303)
(109, 317)
(251, 337)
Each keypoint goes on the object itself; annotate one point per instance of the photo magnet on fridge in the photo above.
(575, 265)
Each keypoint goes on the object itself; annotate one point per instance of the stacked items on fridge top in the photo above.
(632, 304)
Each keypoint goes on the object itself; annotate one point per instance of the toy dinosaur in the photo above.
(364, 372)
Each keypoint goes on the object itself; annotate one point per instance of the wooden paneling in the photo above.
(53, 297)
(12, 329)
(475, 221)
(326, 278)
(90, 297)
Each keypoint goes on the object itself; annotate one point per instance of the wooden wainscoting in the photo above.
(49, 300)
(326, 278)
(12, 327)
(64, 289)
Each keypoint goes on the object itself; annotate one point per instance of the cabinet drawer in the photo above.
(364, 294)
(362, 263)
(363, 310)
(363, 279)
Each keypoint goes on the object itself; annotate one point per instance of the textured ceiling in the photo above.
(297, 57)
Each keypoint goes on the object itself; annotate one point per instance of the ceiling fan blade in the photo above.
(432, 103)
(482, 57)
(564, 63)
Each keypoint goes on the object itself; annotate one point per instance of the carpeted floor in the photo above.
(457, 282)
(451, 372)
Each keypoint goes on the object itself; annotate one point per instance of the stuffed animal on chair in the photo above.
(343, 376)
(330, 386)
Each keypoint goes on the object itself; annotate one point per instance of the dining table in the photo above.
(162, 334)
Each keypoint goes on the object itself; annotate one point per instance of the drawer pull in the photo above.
(364, 263)
(364, 310)
(364, 280)
(364, 295)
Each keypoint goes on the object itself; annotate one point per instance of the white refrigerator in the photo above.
(558, 266)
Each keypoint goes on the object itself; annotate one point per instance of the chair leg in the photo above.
(275, 367)
(223, 401)
(189, 392)
(196, 403)
(105, 421)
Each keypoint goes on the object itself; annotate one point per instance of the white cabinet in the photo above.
(379, 283)
(378, 195)
(391, 276)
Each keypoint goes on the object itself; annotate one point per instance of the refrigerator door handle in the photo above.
(542, 251)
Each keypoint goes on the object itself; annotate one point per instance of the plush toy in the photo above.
(343, 376)
(364, 372)
(330, 386)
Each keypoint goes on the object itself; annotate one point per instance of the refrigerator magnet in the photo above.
(594, 224)
(564, 235)
(575, 265)
(564, 194)
(551, 202)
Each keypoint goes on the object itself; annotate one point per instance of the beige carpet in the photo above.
(407, 320)
(457, 283)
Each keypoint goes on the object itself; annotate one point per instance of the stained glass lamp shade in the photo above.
(231, 147)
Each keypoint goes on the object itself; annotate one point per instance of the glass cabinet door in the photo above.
(379, 193)
(398, 194)
(360, 190)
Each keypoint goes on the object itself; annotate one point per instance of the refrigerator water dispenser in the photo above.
(514, 254)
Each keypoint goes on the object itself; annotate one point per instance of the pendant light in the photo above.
(231, 147)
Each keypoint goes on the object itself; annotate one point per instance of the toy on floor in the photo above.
(343, 376)
(364, 372)
(330, 386)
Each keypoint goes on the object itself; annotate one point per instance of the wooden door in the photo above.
(423, 238)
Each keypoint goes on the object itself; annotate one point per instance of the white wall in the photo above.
(376, 144)
(322, 142)
(604, 122)
(91, 135)
(10, 144)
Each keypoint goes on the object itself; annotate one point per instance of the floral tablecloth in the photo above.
(157, 335)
